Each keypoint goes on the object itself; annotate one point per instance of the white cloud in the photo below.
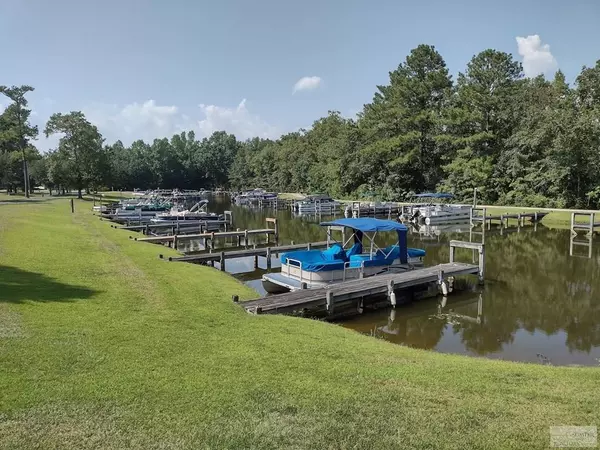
(146, 121)
(307, 84)
(238, 121)
(537, 58)
(149, 120)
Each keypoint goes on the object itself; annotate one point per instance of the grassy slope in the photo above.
(102, 345)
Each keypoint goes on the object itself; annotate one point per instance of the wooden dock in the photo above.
(351, 296)
(485, 218)
(266, 252)
(349, 293)
(182, 226)
(358, 209)
(172, 240)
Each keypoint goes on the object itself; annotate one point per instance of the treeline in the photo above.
(517, 140)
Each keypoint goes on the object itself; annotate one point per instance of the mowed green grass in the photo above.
(103, 345)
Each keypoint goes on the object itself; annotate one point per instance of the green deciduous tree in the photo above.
(80, 149)
(15, 130)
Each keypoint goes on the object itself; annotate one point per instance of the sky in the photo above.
(149, 69)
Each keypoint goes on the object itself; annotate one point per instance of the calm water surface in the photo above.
(540, 302)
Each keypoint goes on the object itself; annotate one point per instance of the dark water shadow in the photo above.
(18, 285)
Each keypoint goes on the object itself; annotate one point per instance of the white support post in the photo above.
(391, 293)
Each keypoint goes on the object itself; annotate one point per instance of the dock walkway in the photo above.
(336, 295)
(484, 218)
(266, 252)
(348, 296)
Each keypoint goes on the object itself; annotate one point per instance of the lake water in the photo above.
(540, 302)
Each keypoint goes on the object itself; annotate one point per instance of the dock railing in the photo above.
(583, 226)
(473, 246)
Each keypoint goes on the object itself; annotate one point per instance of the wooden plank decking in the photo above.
(331, 295)
(218, 234)
(265, 251)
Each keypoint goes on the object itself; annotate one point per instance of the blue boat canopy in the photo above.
(367, 224)
(435, 195)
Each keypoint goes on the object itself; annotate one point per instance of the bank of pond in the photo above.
(512, 289)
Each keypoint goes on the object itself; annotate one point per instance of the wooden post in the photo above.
(255, 261)
(72, 206)
(452, 252)
(268, 256)
(178, 227)
(592, 223)
(175, 242)
(147, 229)
(222, 261)
(329, 297)
(245, 238)
(391, 293)
(481, 264)
(443, 284)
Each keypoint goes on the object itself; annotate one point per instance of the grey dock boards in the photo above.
(330, 297)
(266, 252)
(350, 295)
(209, 235)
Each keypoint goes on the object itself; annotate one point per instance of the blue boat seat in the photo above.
(316, 260)
(415, 252)
(365, 259)
(356, 249)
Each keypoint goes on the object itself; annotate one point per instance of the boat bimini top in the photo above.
(369, 227)
(337, 258)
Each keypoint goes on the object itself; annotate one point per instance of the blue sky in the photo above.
(151, 68)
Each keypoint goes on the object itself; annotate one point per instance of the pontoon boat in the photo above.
(345, 260)
(430, 209)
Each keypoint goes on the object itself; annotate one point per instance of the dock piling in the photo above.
(329, 300)
(391, 293)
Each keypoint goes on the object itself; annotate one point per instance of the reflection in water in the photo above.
(584, 243)
(537, 300)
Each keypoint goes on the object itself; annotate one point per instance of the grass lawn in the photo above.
(103, 345)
